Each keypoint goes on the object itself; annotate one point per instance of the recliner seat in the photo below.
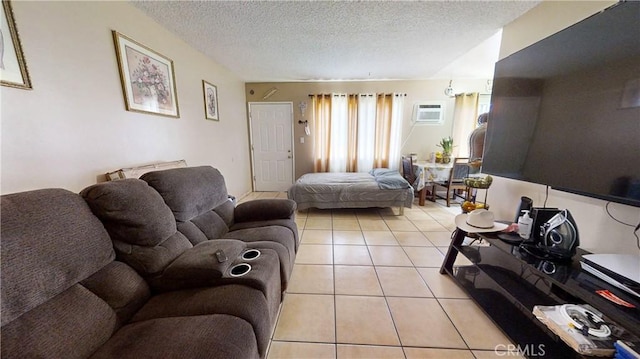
(144, 234)
(198, 198)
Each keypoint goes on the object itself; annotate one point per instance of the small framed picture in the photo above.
(148, 78)
(210, 101)
(13, 67)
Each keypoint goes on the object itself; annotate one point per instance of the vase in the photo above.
(446, 158)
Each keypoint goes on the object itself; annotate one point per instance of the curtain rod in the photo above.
(362, 94)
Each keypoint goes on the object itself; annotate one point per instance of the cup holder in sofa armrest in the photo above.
(239, 270)
(250, 254)
(204, 264)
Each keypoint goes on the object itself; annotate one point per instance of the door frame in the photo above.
(251, 152)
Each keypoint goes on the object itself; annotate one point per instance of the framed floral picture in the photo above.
(148, 78)
(210, 101)
(13, 67)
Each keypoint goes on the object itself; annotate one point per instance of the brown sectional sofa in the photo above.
(113, 276)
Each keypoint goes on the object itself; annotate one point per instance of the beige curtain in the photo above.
(465, 115)
(321, 109)
(379, 139)
(383, 130)
(352, 134)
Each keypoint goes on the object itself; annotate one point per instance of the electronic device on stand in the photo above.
(526, 204)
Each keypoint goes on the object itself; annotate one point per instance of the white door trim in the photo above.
(251, 142)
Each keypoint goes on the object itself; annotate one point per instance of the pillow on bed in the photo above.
(391, 179)
(382, 172)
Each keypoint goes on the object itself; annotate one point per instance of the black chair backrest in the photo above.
(407, 169)
(460, 169)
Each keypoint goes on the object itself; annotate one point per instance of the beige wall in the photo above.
(598, 232)
(73, 127)
(420, 139)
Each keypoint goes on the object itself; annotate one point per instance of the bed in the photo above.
(378, 188)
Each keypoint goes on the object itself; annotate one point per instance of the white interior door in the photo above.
(272, 145)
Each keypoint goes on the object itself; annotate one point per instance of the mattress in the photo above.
(379, 188)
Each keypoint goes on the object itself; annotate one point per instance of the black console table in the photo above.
(507, 284)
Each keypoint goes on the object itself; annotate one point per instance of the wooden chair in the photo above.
(411, 177)
(454, 183)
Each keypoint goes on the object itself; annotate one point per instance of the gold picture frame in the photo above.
(13, 67)
(210, 92)
(148, 78)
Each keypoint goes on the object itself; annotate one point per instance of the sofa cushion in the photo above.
(189, 191)
(121, 287)
(141, 225)
(192, 232)
(252, 307)
(226, 211)
(71, 325)
(50, 241)
(149, 261)
(211, 224)
(207, 336)
(132, 212)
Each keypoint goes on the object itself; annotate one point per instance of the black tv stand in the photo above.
(507, 284)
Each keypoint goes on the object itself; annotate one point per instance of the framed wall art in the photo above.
(13, 67)
(210, 101)
(148, 78)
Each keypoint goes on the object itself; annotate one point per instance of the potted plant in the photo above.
(447, 149)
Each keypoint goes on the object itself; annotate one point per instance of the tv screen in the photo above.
(565, 111)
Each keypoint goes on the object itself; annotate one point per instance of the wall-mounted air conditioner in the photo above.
(429, 113)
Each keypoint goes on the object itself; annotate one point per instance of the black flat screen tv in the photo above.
(565, 111)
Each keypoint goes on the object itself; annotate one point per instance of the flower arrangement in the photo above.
(447, 145)
(151, 81)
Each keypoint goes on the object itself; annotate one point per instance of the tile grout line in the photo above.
(438, 301)
(335, 303)
(393, 321)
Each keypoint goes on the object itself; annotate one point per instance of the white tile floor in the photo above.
(366, 285)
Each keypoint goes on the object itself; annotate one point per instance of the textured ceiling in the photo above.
(265, 41)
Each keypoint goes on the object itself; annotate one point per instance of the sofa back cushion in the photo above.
(63, 296)
(140, 224)
(198, 199)
(78, 321)
(50, 241)
(189, 191)
(131, 211)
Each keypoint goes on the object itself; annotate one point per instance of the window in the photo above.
(355, 133)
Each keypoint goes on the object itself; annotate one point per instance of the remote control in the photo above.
(221, 256)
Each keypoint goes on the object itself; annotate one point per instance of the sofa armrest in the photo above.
(199, 266)
(264, 210)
